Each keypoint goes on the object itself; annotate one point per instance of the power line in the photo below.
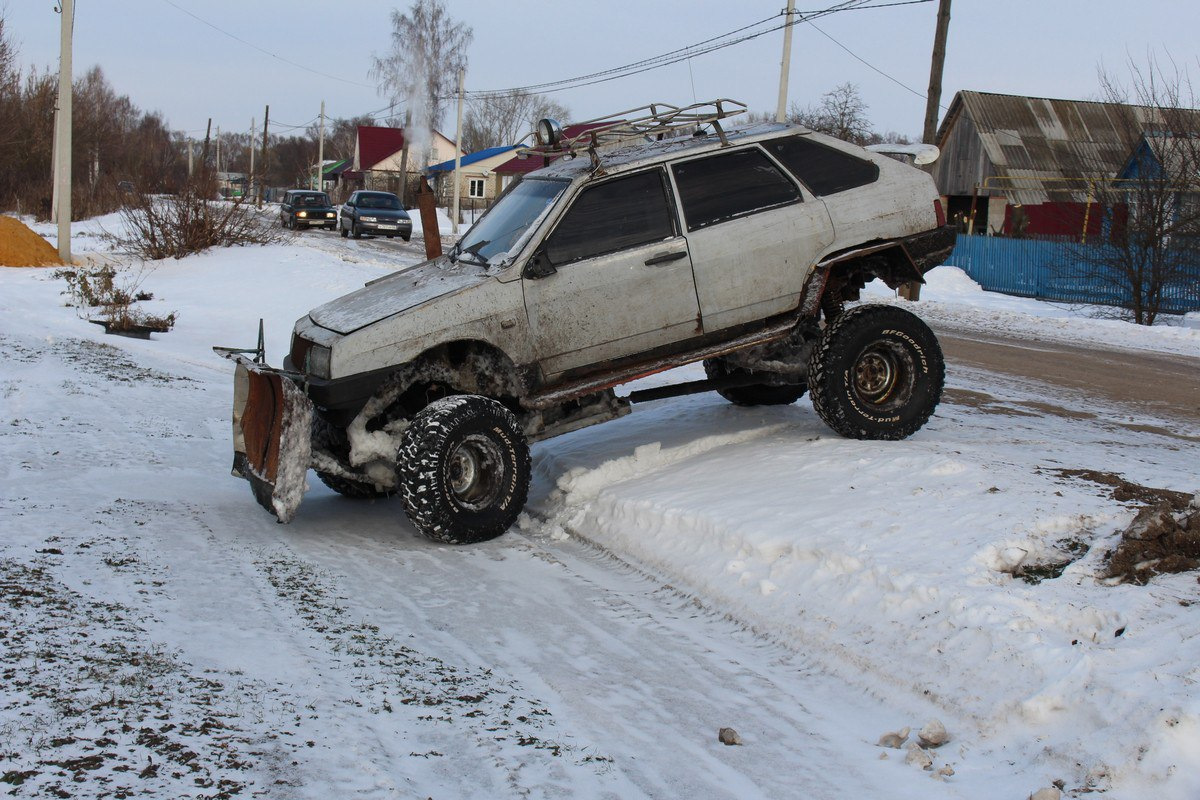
(868, 64)
(237, 38)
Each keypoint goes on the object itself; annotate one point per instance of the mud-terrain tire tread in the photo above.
(758, 394)
(425, 447)
(329, 437)
(840, 345)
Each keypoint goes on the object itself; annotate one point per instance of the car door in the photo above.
(616, 277)
(346, 212)
(753, 234)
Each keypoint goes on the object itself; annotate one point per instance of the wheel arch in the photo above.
(839, 277)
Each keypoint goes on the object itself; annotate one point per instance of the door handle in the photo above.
(664, 258)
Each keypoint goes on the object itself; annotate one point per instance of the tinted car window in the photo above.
(823, 169)
(378, 201)
(621, 213)
(730, 185)
(310, 200)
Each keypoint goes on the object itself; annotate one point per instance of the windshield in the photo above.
(311, 200)
(498, 231)
(379, 201)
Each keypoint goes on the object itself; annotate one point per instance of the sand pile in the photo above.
(21, 247)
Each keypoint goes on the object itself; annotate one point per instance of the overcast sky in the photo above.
(169, 61)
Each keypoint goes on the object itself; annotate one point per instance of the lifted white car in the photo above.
(658, 238)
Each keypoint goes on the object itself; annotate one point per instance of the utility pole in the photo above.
(190, 158)
(321, 152)
(218, 151)
(207, 141)
(250, 185)
(934, 101)
(62, 150)
(785, 66)
(912, 289)
(457, 154)
(266, 123)
(404, 160)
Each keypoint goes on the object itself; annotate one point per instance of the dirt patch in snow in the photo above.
(1157, 542)
(1124, 491)
(1163, 538)
(21, 247)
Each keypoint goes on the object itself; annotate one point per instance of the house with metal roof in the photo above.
(1025, 165)
(378, 160)
(478, 180)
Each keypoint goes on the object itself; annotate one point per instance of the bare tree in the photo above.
(428, 49)
(841, 113)
(495, 120)
(1148, 256)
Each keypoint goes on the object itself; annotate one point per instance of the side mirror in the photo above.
(539, 266)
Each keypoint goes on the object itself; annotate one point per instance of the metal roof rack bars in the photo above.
(652, 122)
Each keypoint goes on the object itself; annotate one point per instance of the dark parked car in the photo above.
(374, 212)
(303, 208)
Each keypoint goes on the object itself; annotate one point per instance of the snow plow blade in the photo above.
(272, 436)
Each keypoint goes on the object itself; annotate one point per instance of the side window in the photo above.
(823, 169)
(731, 185)
(621, 213)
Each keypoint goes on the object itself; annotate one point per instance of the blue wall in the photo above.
(1049, 270)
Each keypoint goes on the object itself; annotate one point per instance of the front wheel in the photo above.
(357, 232)
(877, 373)
(464, 469)
(345, 232)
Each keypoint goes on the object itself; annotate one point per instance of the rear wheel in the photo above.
(345, 232)
(877, 373)
(464, 469)
(756, 394)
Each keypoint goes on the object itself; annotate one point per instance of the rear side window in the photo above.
(823, 169)
(613, 216)
(731, 185)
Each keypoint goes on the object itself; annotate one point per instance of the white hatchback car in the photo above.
(635, 251)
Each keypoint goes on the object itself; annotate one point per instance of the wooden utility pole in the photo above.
(321, 152)
(457, 155)
(785, 66)
(62, 150)
(934, 98)
(207, 142)
(933, 103)
(404, 160)
(261, 187)
(250, 186)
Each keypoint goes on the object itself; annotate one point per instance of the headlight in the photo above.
(301, 213)
(316, 363)
(329, 214)
(368, 219)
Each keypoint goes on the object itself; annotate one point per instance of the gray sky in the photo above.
(170, 62)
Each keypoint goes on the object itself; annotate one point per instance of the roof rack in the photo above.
(652, 122)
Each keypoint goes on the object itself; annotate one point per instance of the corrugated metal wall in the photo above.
(1051, 270)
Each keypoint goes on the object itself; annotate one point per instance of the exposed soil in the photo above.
(21, 247)
(1155, 543)
(1163, 538)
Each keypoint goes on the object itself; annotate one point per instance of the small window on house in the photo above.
(730, 185)
(476, 188)
(618, 214)
(823, 169)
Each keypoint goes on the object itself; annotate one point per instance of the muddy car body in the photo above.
(733, 247)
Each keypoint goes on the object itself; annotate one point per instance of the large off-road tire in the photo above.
(757, 394)
(877, 373)
(333, 439)
(464, 469)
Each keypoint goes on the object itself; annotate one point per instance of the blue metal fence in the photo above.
(1054, 270)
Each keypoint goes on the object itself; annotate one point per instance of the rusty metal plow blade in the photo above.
(272, 436)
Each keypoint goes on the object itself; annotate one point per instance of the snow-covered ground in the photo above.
(690, 566)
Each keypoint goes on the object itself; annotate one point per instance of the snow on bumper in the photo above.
(272, 436)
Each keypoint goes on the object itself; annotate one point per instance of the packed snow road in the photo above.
(690, 567)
